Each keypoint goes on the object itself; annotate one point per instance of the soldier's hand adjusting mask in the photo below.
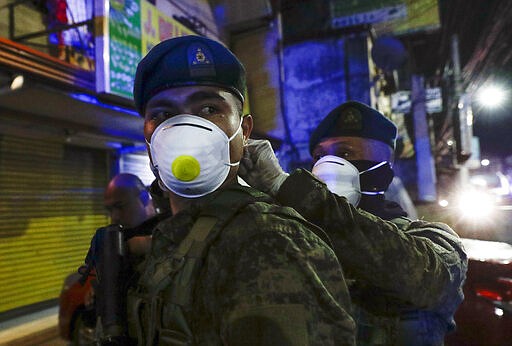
(340, 176)
(191, 155)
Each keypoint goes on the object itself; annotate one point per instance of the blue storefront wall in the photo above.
(318, 76)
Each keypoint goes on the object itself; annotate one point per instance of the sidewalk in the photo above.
(39, 328)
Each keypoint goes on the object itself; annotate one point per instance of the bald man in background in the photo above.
(129, 204)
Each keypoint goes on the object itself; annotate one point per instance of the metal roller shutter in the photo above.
(51, 202)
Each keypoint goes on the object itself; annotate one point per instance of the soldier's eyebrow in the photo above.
(343, 144)
(161, 102)
(204, 95)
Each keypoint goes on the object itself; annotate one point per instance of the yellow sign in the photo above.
(156, 27)
(421, 15)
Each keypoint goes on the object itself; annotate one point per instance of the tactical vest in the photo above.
(172, 277)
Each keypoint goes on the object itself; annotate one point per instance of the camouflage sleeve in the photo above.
(412, 268)
(284, 290)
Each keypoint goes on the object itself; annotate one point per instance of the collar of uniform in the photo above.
(176, 227)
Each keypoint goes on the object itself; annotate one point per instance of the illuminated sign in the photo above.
(130, 28)
(358, 12)
(386, 16)
(401, 101)
(422, 15)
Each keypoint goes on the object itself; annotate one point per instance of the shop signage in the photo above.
(129, 29)
(394, 17)
(401, 101)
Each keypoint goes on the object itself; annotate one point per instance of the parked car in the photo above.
(77, 317)
(485, 316)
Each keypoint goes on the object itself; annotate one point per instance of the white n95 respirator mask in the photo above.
(191, 155)
(340, 176)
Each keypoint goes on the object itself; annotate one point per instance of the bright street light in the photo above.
(443, 203)
(491, 96)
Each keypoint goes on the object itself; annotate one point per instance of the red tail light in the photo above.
(489, 294)
(500, 295)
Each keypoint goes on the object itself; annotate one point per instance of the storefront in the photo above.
(59, 146)
(51, 203)
(67, 125)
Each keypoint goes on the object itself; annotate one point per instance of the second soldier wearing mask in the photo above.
(405, 276)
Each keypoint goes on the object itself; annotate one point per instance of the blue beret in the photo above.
(187, 60)
(354, 119)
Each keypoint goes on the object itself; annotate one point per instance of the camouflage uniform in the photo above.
(267, 279)
(404, 277)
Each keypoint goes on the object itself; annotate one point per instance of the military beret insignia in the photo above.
(200, 61)
(351, 119)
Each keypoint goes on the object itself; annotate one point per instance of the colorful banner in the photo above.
(124, 44)
(157, 27)
(150, 36)
(133, 27)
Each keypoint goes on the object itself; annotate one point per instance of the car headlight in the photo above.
(475, 204)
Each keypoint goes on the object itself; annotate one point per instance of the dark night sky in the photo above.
(485, 50)
(494, 128)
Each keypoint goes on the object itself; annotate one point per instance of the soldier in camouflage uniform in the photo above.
(230, 267)
(405, 277)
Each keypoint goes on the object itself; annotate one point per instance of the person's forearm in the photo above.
(373, 251)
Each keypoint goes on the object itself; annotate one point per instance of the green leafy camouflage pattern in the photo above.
(405, 277)
(268, 279)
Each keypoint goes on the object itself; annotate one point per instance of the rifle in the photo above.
(107, 255)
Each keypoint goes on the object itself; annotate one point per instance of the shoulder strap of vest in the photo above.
(216, 213)
(178, 272)
(175, 276)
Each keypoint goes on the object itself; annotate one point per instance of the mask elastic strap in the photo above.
(231, 138)
(374, 167)
(371, 193)
(238, 130)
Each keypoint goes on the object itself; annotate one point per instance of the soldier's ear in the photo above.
(247, 124)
